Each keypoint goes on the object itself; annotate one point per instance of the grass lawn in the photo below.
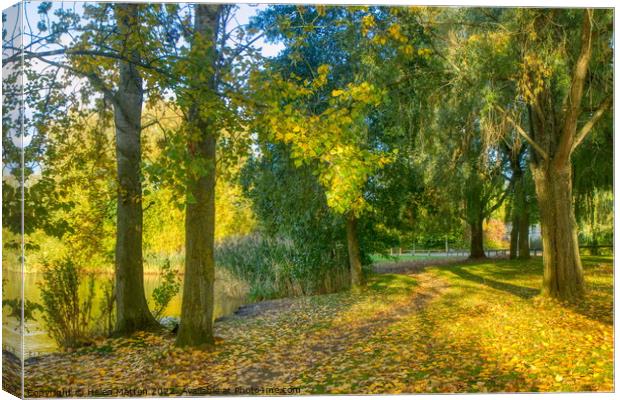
(472, 327)
(379, 259)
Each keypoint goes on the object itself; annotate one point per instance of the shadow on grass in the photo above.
(434, 362)
(596, 305)
(520, 291)
(597, 259)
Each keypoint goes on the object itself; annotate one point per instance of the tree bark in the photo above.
(353, 246)
(520, 208)
(131, 306)
(477, 239)
(593, 226)
(563, 273)
(196, 327)
(524, 230)
(551, 170)
(518, 196)
(514, 234)
(474, 212)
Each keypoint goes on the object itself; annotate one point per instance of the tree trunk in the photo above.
(477, 239)
(196, 327)
(524, 231)
(353, 245)
(593, 226)
(563, 274)
(552, 145)
(474, 212)
(131, 307)
(514, 234)
(518, 196)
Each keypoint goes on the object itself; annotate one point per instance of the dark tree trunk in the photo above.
(563, 273)
(196, 328)
(518, 192)
(514, 234)
(475, 205)
(520, 209)
(353, 246)
(477, 239)
(131, 307)
(524, 232)
(593, 226)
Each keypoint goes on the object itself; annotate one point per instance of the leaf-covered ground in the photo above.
(469, 327)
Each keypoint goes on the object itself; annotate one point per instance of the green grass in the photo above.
(380, 259)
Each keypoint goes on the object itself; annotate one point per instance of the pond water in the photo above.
(230, 294)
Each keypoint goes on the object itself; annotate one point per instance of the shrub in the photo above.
(67, 317)
(167, 289)
(107, 303)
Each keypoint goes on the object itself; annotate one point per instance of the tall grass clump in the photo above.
(276, 268)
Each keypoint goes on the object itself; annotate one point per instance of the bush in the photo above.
(276, 268)
(167, 289)
(67, 317)
(107, 307)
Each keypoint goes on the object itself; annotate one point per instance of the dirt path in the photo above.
(340, 336)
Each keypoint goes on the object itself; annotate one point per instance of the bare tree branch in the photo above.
(522, 132)
(565, 145)
(587, 127)
(78, 52)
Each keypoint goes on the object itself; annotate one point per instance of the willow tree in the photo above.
(565, 81)
(546, 74)
(471, 175)
(593, 186)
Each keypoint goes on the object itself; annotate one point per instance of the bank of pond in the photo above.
(230, 294)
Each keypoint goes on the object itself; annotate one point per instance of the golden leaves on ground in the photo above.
(458, 328)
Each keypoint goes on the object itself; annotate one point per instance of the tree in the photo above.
(196, 328)
(459, 161)
(110, 53)
(131, 307)
(206, 74)
(537, 69)
(521, 208)
(319, 104)
(593, 186)
(553, 84)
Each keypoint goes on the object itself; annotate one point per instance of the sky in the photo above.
(243, 15)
